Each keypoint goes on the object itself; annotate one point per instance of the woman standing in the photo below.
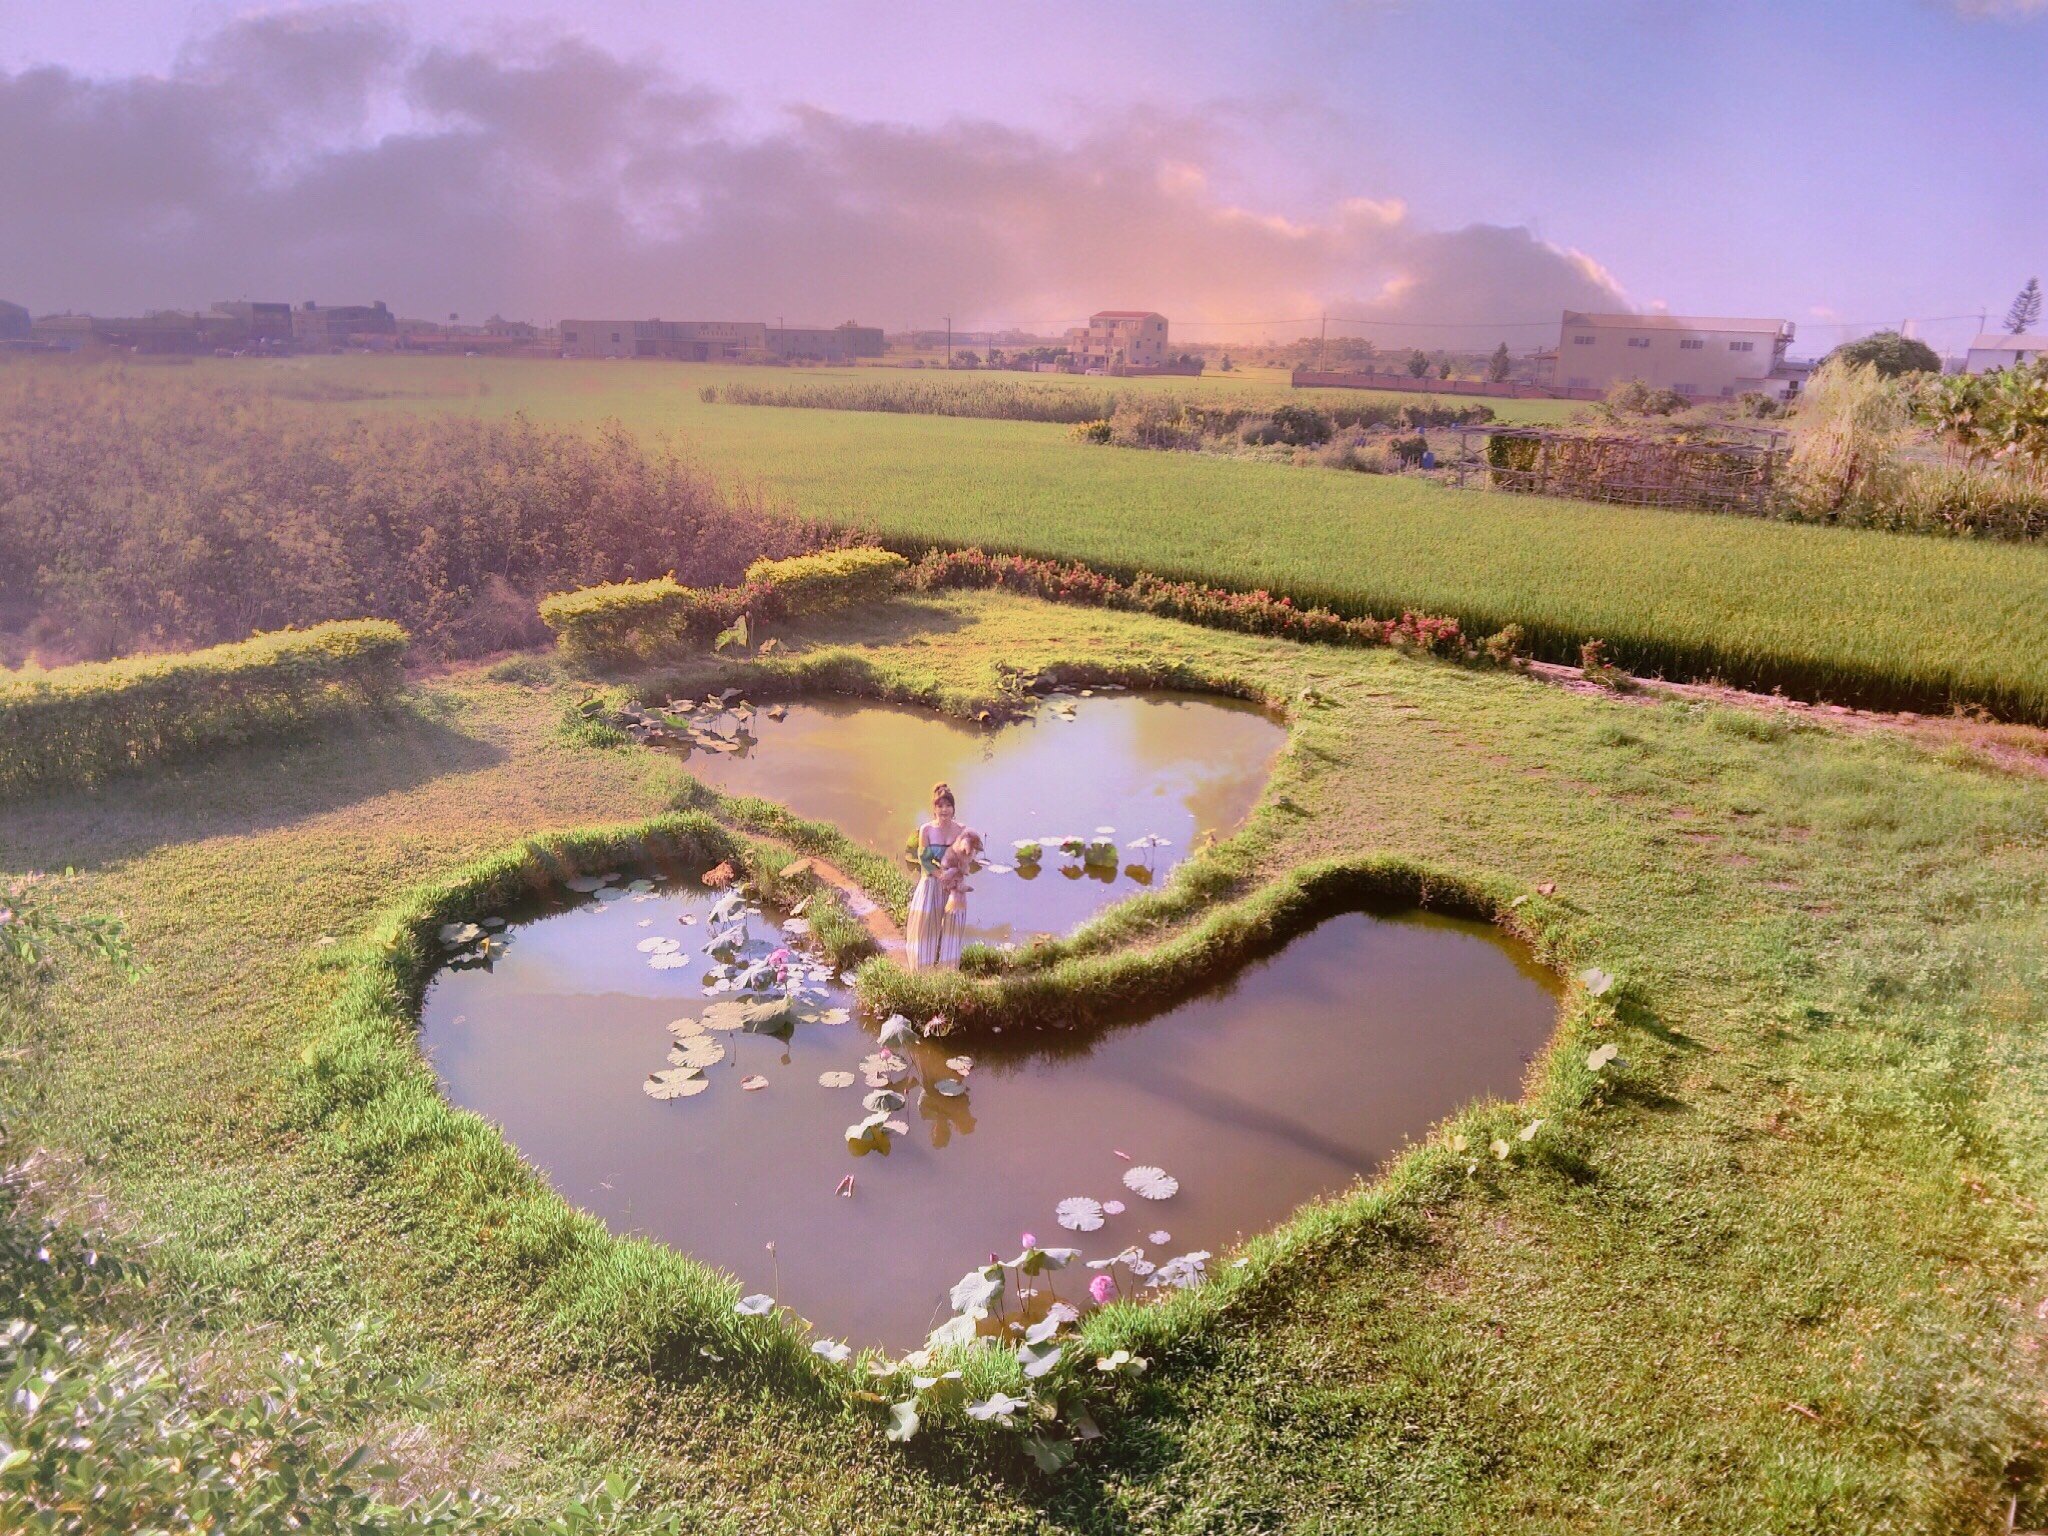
(925, 932)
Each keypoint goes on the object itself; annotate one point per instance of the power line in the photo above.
(1039, 327)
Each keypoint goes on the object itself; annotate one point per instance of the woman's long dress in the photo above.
(924, 934)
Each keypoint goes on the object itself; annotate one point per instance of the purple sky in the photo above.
(1449, 171)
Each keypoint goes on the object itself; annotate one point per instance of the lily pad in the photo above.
(1078, 1213)
(753, 1082)
(883, 1101)
(680, 1083)
(949, 1088)
(835, 1016)
(960, 1064)
(1159, 1237)
(583, 884)
(460, 935)
(667, 962)
(700, 1051)
(684, 1029)
(835, 1079)
(1112, 1207)
(1151, 1183)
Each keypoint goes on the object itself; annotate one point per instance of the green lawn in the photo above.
(1784, 1273)
(1884, 619)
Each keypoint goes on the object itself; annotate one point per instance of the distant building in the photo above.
(825, 346)
(1114, 338)
(14, 322)
(165, 331)
(1701, 358)
(1996, 350)
(338, 325)
(264, 324)
(689, 341)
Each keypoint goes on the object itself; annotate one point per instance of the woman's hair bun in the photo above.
(942, 790)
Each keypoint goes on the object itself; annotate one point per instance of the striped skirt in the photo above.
(925, 932)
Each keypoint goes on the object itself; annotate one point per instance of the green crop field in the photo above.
(1855, 616)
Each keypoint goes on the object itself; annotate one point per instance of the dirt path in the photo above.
(874, 917)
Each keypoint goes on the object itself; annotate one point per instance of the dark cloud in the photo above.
(324, 153)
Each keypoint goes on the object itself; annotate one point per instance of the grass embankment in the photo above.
(1783, 1274)
(1846, 615)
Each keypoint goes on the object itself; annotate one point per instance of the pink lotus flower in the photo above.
(1102, 1288)
(1030, 1241)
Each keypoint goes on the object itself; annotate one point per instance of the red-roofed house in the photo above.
(1119, 338)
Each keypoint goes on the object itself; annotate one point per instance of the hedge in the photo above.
(836, 578)
(80, 724)
(644, 620)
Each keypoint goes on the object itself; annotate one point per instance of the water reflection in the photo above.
(1183, 767)
(1305, 1071)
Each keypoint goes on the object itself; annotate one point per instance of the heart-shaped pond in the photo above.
(1306, 1070)
(1116, 769)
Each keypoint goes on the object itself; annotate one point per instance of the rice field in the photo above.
(1847, 615)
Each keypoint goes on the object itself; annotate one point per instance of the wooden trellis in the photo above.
(1719, 476)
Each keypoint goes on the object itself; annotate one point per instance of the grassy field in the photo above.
(1853, 616)
(1785, 1274)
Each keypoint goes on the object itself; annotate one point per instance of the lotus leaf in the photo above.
(835, 1016)
(667, 962)
(1120, 1360)
(1000, 1406)
(832, 1350)
(960, 1064)
(949, 1088)
(755, 1305)
(460, 935)
(1047, 1327)
(1601, 1055)
(977, 1290)
(1112, 1207)
(1037, 1359)
(1050, 1456)
(1078, 1213)
(903, 1421)
(583, 884)
(680, 1083)
(1596, 981)
(684, 1029)
(897, 1030)
(883, 1101)
(954, 1331)
(1184, 1271)
(753, 1082)
(1499, 1148)
(835, 1079)
(1528, 1132)
(1151, 1183)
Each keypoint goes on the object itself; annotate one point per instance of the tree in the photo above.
(1418, 363)
(1498, 365)
(1443, 369)
(1228, 366)
(1889, 353)
(2026, 308)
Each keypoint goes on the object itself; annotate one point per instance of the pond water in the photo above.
(1181, 767)
(1307, 1070)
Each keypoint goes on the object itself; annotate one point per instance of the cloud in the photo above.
(325, 152)
(1998, 10)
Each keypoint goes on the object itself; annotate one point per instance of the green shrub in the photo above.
(836, 578)
(80, 724)
(647, 620)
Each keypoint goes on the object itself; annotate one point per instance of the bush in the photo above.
(839, 578)
(1632, 397)
(1091, 431)
(1890, 353)
(80, 724)
(1301, 426)
(648, 620)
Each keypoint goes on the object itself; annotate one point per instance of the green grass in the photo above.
(1847, 615)
(1778, 1273)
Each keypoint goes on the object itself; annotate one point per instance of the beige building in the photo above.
(1113, 338)
(689, 341)
(1997, 349)
(1704, 358)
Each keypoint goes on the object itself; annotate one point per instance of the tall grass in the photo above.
(151, 511)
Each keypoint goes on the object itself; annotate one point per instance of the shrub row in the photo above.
(647, 620)
(656, 620)
(836, 578)
(80, 724)
(1252, 613)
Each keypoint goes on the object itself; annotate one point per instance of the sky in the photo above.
(1425, 173)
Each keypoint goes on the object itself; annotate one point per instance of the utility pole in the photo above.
(1321, 340)
(949, 341)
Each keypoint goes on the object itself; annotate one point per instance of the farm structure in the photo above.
(1717, 476)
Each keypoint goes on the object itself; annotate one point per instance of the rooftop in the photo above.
(2006, 341)
(1675, 323)
(1127, 314)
